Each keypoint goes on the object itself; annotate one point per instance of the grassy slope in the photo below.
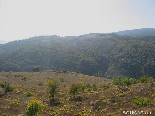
(105, 99)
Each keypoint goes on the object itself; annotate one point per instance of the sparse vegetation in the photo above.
(26, 78)
(73, 94)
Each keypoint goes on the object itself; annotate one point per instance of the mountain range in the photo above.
(138, 32)
(128, 53)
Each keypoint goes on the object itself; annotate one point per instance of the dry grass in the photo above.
(101, 98)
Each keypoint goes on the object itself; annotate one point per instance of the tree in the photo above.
(75, 88)
(34, 107)
(53, 85)
(6, 87)
(36, 69)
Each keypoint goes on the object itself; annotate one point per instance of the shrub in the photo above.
(3, 85)
(87, 87)
(26, 78)
(146, 79)
(141, 102)
(18, 90)
(34, 107)
(36, 69)
(6, 87)
(143, 79)
(75, 88)
(61, 80)
(126, 81)
(28, 93)
(53, 85)
(94, 87)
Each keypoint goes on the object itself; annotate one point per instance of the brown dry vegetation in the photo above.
(98, 98)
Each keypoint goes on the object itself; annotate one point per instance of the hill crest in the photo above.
(138, 32)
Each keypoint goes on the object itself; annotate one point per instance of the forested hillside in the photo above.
(105, 55)
(138, 32)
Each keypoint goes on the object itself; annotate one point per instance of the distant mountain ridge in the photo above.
(104, 55)
(138, 32)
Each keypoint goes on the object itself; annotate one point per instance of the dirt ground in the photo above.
(99, 97)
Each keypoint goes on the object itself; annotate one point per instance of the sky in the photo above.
(21, 19)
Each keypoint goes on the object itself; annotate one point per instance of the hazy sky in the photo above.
(21, 19)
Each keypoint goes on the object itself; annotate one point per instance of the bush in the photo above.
(53, 85)
(28, 93)
(146, 79)
(143, 79)
(124, 81)
(6, 87)
(34, 107)
(26, 78)
(75, 88)
(36, 69)
(94, 87)
(3, 85)
(141, 102)
(87, 87)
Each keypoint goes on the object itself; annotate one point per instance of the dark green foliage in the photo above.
(53, 85)
(34, 107)
(94, 87)
(75, 88)
(6, 87)
(146, 79)
(103, 55)
(36, 69)
(3, 85)
(87, 87)
(26, 78)
(141, 102)
(8, 66)
(124, 81)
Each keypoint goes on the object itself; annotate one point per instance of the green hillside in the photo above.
(105, 55)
